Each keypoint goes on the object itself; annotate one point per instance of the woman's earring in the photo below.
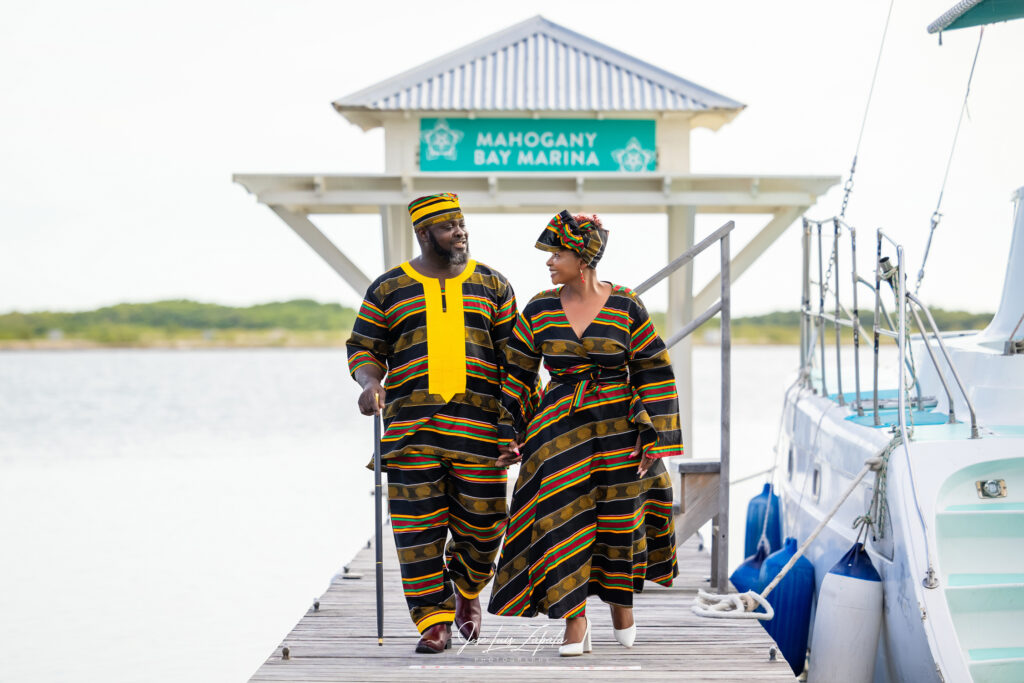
(582, 279)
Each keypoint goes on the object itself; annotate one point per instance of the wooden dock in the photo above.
(338, 641)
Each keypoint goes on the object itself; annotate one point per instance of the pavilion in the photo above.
(533, 119)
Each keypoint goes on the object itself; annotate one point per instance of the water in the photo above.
(170, 515)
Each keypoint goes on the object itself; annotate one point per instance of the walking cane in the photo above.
(378, 524)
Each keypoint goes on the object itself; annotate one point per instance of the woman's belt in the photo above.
(589, 380)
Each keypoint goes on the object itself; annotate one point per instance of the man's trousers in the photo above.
(430, 497)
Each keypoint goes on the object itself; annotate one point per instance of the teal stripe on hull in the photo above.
(890, 417)
(988, 654)
(979, 580)
(987, 507)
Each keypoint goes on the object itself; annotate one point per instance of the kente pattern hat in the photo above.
(582, 237)
(434, 208)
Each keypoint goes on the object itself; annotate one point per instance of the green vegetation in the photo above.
(783, 327)
(946, 320)
(305, 323)
(302, 322)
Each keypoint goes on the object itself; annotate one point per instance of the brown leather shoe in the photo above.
(435, 640)
(467, 616)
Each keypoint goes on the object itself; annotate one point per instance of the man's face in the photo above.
(450, 240)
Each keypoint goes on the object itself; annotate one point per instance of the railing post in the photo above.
(821, 313)
(877, 328)
(901, 296)
(856, 321)
(720, 523)
(835, 264)
(722, 568)
(805, 303)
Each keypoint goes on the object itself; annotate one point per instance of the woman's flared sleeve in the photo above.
(368, 344)
(505, 317)
(650, 373)
(519, 394)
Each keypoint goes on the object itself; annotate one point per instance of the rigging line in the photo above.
(848, 187)
(874, 77)
(936, 216)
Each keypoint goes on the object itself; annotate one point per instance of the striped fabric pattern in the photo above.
(435, 208)
(439, 450)
(390, 332)
(582, 523)
(428, 497)
(587, 241)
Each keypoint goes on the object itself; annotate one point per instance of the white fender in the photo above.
(847, 621)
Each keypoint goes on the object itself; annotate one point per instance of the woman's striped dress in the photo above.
(582, 522)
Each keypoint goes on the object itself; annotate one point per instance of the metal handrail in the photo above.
(975, 434)
(685, 257)
(942, 378)
(840, 317)
(720, 559)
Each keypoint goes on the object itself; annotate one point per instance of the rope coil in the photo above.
(743, 606)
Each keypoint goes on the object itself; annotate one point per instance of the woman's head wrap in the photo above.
(580, 235)
(434, 208)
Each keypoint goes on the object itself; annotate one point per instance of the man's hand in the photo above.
(508, 454)
(372, 399)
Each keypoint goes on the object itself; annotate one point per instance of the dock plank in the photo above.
(338, 642)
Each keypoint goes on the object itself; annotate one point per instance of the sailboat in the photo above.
(943, 518)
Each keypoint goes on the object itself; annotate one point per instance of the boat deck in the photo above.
(338, 641)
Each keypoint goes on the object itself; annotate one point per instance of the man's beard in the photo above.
(450, 257)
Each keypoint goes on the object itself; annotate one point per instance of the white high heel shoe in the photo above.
(576, 649)
(625, 636)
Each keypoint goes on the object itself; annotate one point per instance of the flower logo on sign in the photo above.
(441, 141)
(633, 158)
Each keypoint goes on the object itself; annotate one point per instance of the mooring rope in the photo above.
(878, 509)
(742, 605)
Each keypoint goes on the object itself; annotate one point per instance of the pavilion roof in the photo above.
(532, 67)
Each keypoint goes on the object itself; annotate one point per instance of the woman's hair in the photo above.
(580, 218)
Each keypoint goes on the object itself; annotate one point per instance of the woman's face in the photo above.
(564, 266)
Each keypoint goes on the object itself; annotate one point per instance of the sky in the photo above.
(123, 122)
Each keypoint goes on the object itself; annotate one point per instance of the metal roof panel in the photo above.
(536, 65)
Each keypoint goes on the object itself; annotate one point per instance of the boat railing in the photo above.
(722, 307)
(831, 310)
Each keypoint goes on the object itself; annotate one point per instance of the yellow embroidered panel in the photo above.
(446, 331)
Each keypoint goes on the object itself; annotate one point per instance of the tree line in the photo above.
(178, 315)
(130, 323)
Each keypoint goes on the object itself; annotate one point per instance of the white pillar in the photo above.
(396, 230)
(401, 147)
(401, 143)
(681, 220)
(673, 140)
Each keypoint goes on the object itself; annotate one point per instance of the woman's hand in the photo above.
(645, 462)
(508, 454)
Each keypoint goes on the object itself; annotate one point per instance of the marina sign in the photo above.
(622, 145)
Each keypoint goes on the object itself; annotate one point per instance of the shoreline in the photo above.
(87, 345)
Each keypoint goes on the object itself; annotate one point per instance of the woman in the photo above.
(592, 508)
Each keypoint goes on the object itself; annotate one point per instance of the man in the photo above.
(437, 326)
